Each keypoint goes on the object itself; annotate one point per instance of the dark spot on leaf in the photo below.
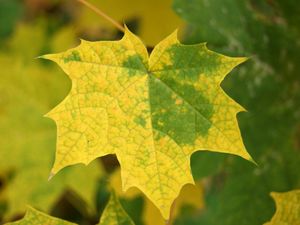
(135, 65)
(178, 108)
(74, 56)
(190, 61)
(178, 115)
(140, 120)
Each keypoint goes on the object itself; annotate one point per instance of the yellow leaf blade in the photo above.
(287, 208)
(34, 217)
(152, 112)
(114, 214)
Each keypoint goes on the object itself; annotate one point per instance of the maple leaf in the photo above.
(287, 208)
(114, 214)
(28, 90)
(35, 217)
(190, 195)
(152, 112)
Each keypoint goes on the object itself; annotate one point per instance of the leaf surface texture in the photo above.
(153, 111)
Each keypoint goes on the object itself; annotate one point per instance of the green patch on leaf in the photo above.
(34, 217)
(135, 65)
(140, 120)
(176, 118)
(74, 56)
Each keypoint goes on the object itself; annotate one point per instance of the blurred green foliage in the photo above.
(10, 12)
(29, 90)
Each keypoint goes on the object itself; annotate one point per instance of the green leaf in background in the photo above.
(113, 214)
(269, 88)
(34, 217)
(28, 90)
(10, 12)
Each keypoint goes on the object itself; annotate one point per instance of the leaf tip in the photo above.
(127, 31)
(175, 33)
(82, 41)
(253, 161)
(42, 57)
(125, 26)
(47, 115)
(241, 109)
(241, 60)
(51, 57)
(51, 175)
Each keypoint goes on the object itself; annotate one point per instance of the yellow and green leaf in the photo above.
(114, 214)
(190, 195)
(34, 217)
(153, 111)
(287, 208)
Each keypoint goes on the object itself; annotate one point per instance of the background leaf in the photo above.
(114, 214)
(35, 217)
(29, 90)
(287, 208)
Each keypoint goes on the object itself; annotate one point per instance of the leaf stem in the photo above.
(102, 14)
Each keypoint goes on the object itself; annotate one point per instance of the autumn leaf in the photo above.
(34, 217)
(152, 112)
(114, 214)
(287, 208)
(190, 195)
(28, 90)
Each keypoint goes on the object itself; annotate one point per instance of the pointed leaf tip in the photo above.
(51, 175)
(253, 161)
(51, 57)
(35, 217)
(243, 59)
